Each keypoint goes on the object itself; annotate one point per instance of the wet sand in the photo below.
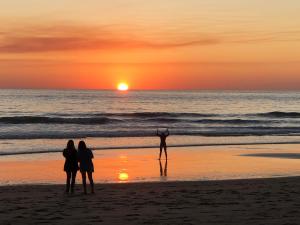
(257, 201)
(141, 165)
(276, 155)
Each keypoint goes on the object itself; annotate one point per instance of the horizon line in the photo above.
(152, 90)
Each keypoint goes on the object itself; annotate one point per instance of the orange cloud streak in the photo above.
(66, 38)
(48, 38)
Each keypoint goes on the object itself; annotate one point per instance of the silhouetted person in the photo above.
(163, 144)
(85, 156)
(71, 165)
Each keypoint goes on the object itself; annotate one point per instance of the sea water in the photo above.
(43, 120)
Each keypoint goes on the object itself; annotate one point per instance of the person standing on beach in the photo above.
(85, 156)
(71, 165)
(163, 142)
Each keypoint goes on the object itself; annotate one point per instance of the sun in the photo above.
(123, 87)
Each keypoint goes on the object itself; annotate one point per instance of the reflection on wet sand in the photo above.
(163, 170)
(123, 173)
(123, 176)
(140, 165)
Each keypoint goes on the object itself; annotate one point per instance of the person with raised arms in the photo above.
(163, 141)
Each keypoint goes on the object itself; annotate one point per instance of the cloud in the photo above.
(66, 37)
(70, 38)
(44, 44)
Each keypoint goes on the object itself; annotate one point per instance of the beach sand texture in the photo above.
(242, 201)
(259, 201)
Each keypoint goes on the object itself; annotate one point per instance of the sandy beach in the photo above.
(257, 201)
(134, 188)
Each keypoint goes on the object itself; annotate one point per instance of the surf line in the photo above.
(150, 147)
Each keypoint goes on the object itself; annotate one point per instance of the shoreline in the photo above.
(249, 201)
(78, 184)
(156, 147)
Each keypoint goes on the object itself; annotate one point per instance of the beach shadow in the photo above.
(275, 155)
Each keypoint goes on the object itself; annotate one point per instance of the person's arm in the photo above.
(92, 155)
(168, 132)
(65, 153)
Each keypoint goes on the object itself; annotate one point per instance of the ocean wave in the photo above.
(100, 118)
(234, 121)
(164, 120)
(205, 132)
(279, 114)
(56, 120)
(127, 118)
(95, 148)
(154, 115)
(159, 115)
(136, 114)
(211, 121)
(176, 120)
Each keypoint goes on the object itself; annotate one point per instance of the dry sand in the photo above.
(240, 202)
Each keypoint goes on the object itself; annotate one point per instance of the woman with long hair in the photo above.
(71, 165)
(85, 156)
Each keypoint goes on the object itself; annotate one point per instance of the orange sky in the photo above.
(159, 44)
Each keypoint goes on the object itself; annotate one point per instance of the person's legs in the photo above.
(68, 182)
(90, 175)
(83, 173)
(73, 181)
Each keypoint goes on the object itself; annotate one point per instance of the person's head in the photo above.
(81, 145)
(70, 145)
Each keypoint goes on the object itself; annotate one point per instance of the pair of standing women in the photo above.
(84, 157)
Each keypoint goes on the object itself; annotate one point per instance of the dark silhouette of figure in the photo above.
(163, 142)
(163, 171)
(85, 156)
(71, 165)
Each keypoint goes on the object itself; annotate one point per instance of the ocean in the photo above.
(38, 121)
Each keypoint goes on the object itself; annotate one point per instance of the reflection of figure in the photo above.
(163, 172)
(85, 157)
(71, 165)
(163, 144)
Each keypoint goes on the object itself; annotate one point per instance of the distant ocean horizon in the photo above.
(42, 120)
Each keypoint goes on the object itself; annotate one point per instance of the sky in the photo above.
(157, 44)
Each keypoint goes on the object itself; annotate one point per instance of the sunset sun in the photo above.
(123, 87)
